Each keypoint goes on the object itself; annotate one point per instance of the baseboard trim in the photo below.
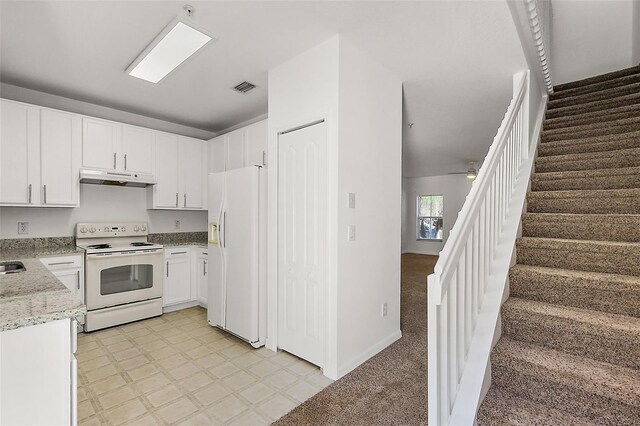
(180, 306)
(356, 361)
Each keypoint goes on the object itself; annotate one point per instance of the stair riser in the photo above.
(603, 205)
(595, 97)
(550, 149)
(596, 106)
(611, 297)
(597, 79)
(592, 118)
(602, 344)
(596, 87)
(557, 135)
(575, 400)
(549, 164)
(616, 261)
(598, 182)
(607, 228)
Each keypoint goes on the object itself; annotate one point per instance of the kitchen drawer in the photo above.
(177, 252)
(62, 262)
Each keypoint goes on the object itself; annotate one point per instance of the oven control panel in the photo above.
(97, 230)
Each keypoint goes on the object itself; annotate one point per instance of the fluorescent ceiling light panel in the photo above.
(168, 50)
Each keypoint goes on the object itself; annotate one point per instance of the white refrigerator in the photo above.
(237, 258)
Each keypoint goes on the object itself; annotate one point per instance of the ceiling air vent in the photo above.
(244, 87)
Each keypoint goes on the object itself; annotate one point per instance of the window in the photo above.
(430, 208)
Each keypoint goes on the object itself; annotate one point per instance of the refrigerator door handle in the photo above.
(224, 229)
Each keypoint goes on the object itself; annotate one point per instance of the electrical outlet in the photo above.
(384, 309)
(351, 233)
(176, 224)
(23, 227)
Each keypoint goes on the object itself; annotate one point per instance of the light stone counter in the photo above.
(35, 296)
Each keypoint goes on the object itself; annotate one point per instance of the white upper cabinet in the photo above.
(60, 145)
(19, 131)
(137, 148)
(243, 147)
(180, 173)
(101, 144)
(40, 153)
(217, 154)
(235, 149)
(255, 143)
(192, 167)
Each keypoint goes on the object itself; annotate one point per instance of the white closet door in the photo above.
(301, 241)
(240, 242)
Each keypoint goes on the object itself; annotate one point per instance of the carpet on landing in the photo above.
(391, 387)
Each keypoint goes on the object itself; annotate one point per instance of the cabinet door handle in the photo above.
(178, 252)
(78, 272)
(45, 193)
(264, 159)
(125, 161)
(176, 199)
(60, 263)
(29, 191)
(204, 268)
(114, 160)
(167, 269)
(185, 199)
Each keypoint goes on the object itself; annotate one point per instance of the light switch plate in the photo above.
(352, 200)
(176, 224)
(351, 236)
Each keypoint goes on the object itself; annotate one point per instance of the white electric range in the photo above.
(123, 273)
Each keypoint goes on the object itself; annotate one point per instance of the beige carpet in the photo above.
(390, 388)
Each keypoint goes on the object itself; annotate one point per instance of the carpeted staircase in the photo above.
(570, 349)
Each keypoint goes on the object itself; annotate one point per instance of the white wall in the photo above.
(591, 38)
(636, 33)
(97, 204)
(302, 91)
(454, 188)
(362, 105)
(370, 165)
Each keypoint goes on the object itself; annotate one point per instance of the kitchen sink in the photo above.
(11, 267)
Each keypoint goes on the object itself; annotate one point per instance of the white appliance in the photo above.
(102, 177)
(237, 260)
(123, 273)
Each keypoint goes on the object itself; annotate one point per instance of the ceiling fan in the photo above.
(471, 172)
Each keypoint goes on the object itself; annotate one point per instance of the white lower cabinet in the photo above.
(201, 274)
(177, 276)
(39, 376)
(185, 276)
(70, 271)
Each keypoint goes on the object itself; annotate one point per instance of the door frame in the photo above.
(328, 315)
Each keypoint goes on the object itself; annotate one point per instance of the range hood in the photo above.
(101, 177)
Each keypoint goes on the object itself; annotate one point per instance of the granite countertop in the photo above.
(177, 239)
(189, 243)
(37, 252)
(34, 297)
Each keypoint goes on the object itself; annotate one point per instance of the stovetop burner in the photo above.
(99, 246)
(141, 244)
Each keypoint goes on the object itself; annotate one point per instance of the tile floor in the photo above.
(176, 369)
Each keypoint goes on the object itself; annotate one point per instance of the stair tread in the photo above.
(596, 105)
(597, 78)
(591, 117)
(586, 193)
(600, 321)
(588, 155)
(629, 280)
(596, 377)
(592, 126)
(596, 86)
(501, 407)
(595, 96)
(593, 140)
(580, 245)
(577, 174)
